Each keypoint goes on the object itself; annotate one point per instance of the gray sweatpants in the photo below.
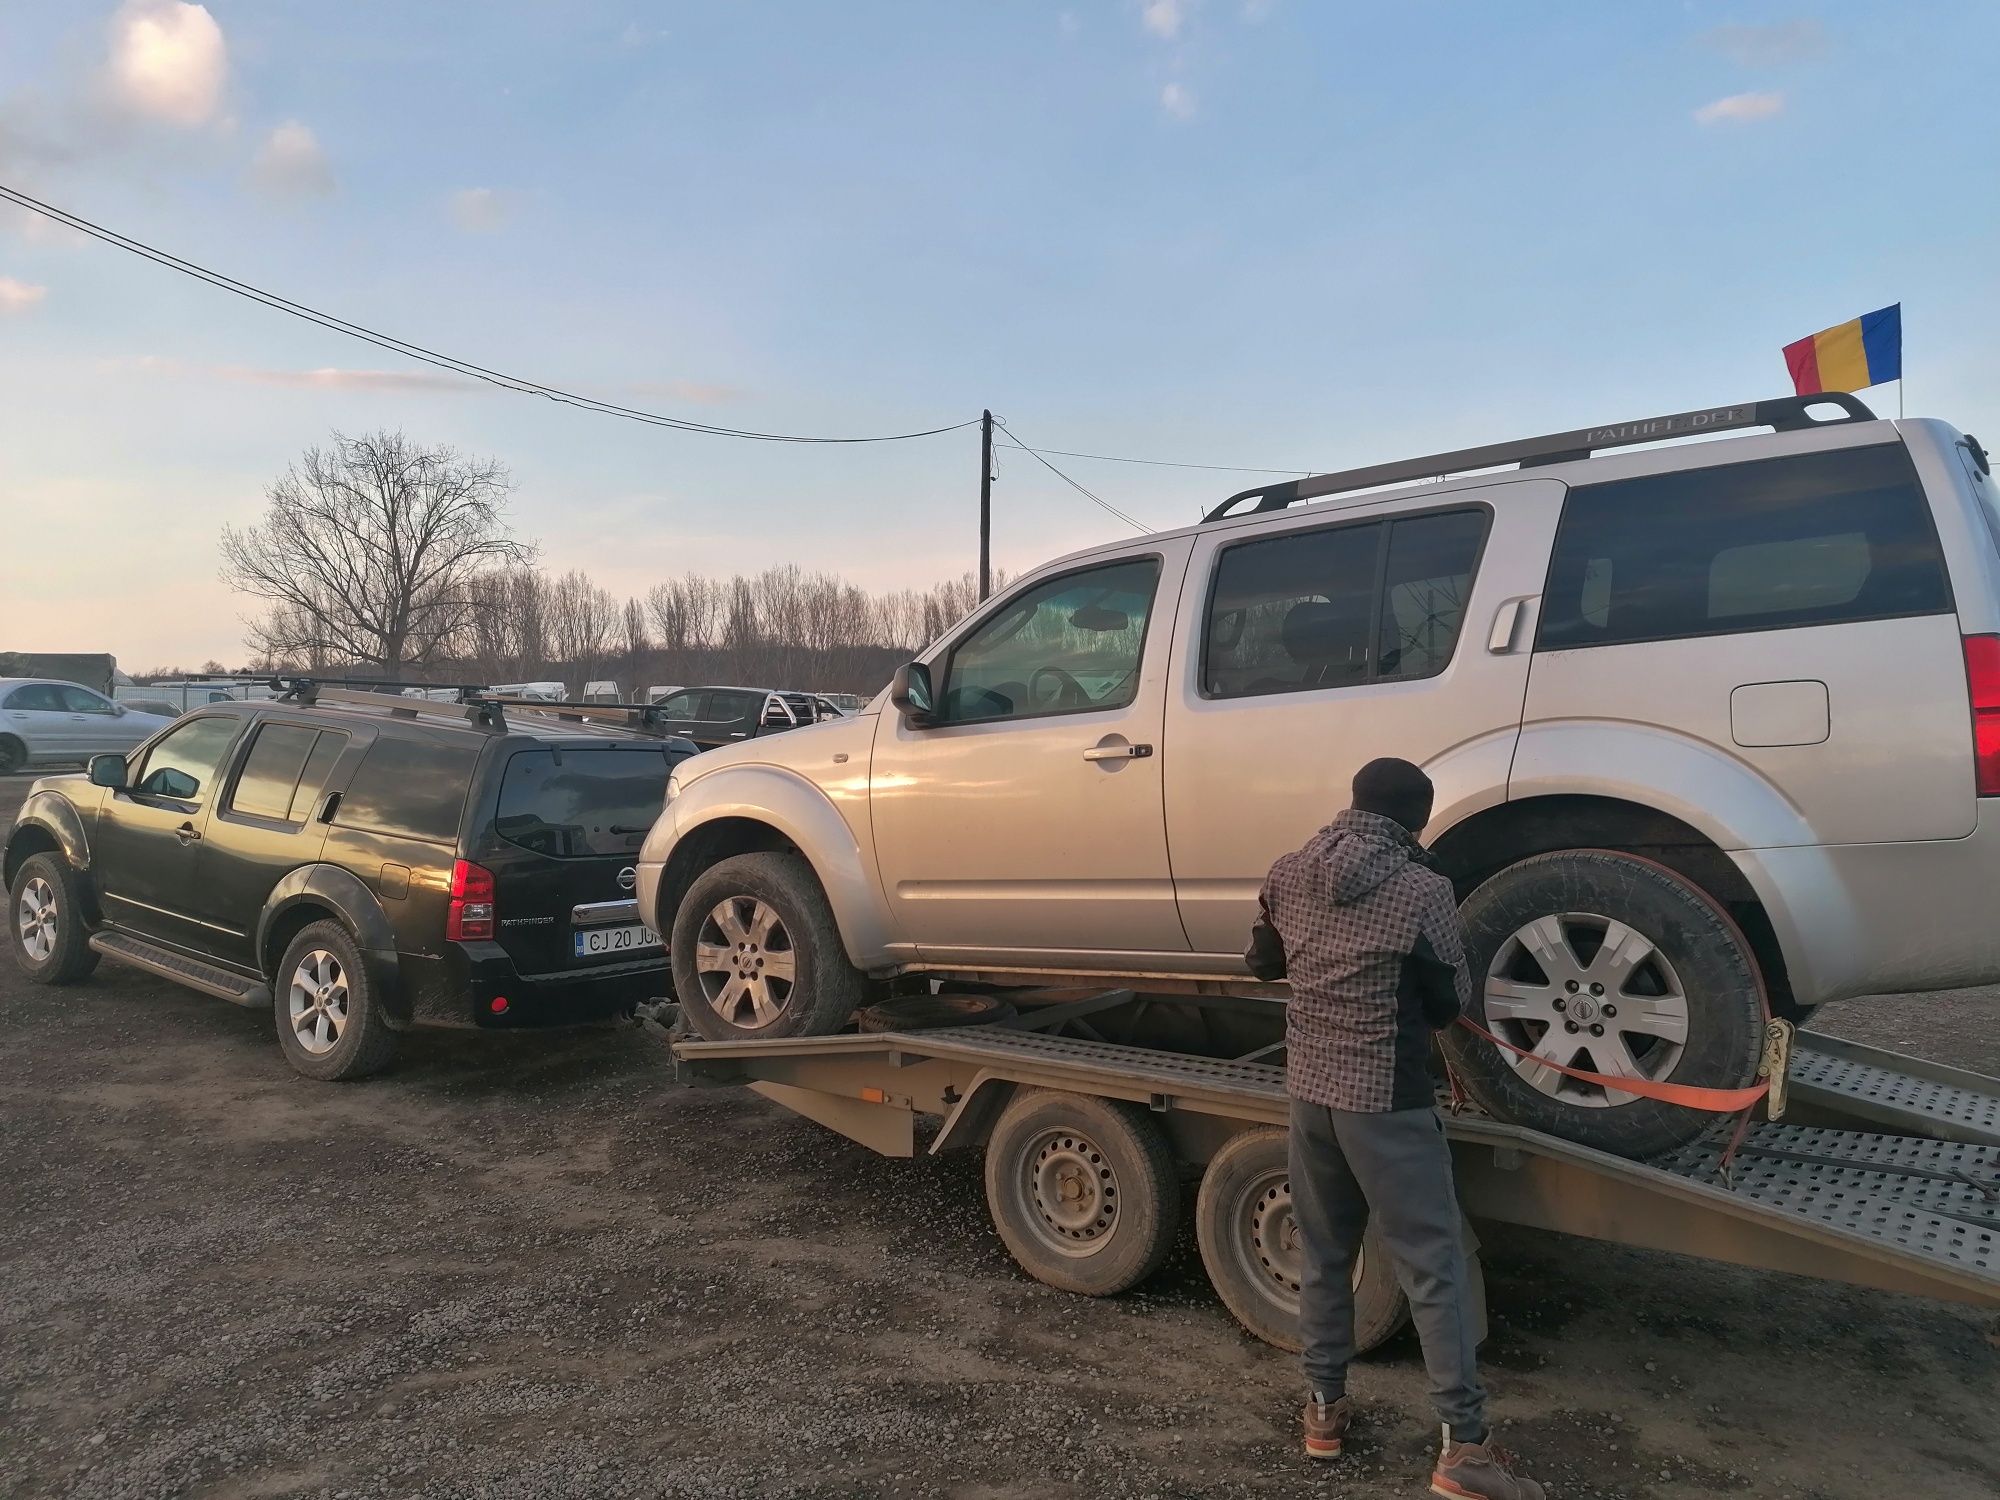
(1396, 1166)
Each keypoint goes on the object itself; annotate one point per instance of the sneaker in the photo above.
(1326, 1424)
(1481, 1471)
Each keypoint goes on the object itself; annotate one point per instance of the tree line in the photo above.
(379, 556)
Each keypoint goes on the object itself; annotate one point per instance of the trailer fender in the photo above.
(970, 1123)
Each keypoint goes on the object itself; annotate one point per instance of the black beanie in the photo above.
(1394, 789)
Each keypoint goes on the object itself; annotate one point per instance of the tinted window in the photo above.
(682, 705)
(728, 706)
(271, 770)
(312, 781)
(183, 764)
(37, 696)
(412, 787)
(568, 803)
(80, 700)
(1327, 609)
(1811, 540)
(1063, 646)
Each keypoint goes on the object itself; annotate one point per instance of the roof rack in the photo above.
(471, 706)
(643, 718)
(1786, 414)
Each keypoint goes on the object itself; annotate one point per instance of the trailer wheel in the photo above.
(1250, 1246)
(1084, 1191)
(1616, 965)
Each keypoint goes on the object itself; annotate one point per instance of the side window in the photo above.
(411, 787)
(1068, 645)
(1424, 589)
(728, 707)
(37, 697)
(183, 764)
(269, 780)
(312, 780)
(683, 705)
(1813, 540)
(81, 700)
(1293, 611)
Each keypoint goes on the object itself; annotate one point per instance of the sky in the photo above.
(1268, 233)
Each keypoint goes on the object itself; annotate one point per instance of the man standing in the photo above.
(1370, 937)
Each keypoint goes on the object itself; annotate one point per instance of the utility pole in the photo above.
(985, 504)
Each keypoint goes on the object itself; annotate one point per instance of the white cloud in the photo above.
(478, 210)
(168, 61)
(1740, 109)
(1177, 101)
(19, 296)
(1164, 17)
(291, 163)
(1768, 46)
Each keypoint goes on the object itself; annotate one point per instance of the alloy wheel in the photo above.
(746, 963)
(317, 1002)
(1589, 992)
(35, 919)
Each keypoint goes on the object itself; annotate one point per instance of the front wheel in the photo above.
(1614, 965)
(46, 922)
(756, 953)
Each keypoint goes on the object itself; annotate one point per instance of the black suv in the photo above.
(363, 863)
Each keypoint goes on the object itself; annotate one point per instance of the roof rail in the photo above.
(1786, 414)
(644, 718)
(366, 692)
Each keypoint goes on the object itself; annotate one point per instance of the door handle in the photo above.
(1118, 752)
(1506, 624)
(187, 833)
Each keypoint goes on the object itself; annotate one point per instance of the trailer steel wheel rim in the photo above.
(745, 961)
(1589, 992)
(1266, 1237)
(316, 1002)
(1069, 1192)
(35, 919)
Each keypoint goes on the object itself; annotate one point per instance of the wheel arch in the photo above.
(1479, 847)
(320, 892)
(47, 823)
(763, 809)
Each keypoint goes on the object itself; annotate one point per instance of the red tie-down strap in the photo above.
(1715, 1101)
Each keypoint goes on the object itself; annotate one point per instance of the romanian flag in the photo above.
(1849, 356)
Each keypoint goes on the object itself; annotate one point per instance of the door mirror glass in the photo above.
(910, 692)
(171, 781)
(108, 770)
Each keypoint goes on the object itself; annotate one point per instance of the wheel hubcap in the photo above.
(1588, 992)
(317, 1002)
(1071, 1192)
(745, 961)
(35, 919)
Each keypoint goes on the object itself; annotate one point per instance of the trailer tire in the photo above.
(935, 1012)
(1249, 1244)
(1084, 1191)
(776, 901)
(1684, 975)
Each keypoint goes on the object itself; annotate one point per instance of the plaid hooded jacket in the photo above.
(1370, 938)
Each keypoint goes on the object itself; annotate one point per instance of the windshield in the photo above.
(573, 803)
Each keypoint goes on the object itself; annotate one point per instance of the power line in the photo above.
(1162, 463)
(518, 384)
(1093, 498)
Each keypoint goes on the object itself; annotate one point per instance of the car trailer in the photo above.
(1885, 1172)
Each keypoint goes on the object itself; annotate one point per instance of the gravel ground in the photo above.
(529, 1265)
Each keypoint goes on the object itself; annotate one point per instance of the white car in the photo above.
(43, 722)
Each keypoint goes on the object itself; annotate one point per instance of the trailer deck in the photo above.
(1885, 1174)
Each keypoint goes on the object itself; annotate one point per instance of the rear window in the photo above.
(411, 787)
(572, 803)
(1818, 539)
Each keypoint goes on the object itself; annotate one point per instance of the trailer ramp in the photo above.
(1913, 1210)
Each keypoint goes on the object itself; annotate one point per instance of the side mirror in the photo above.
(108, 770)
(910, 692)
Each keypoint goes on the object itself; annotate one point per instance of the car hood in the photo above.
(809, 750)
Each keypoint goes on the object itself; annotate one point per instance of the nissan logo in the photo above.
(627, 878)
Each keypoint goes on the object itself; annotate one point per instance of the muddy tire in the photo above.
(1249, 1245)
(330, 1019)
(1614, 964)
(45, 922)
(756, 952)
(935, 1012)
(1084, 1191)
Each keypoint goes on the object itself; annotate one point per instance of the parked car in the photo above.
(46, 722)
(1712, 725)
(361, 863)
(712, 716)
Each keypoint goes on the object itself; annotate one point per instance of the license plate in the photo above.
(592, 941)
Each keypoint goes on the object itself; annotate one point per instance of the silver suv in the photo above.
(1715, 728)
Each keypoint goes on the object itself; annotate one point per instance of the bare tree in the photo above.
(583, 624)
(368, 552)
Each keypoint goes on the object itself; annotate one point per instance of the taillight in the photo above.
(1982, 677)
(471, 914)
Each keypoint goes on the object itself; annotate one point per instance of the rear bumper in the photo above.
(461, 986)
(1871, 919)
